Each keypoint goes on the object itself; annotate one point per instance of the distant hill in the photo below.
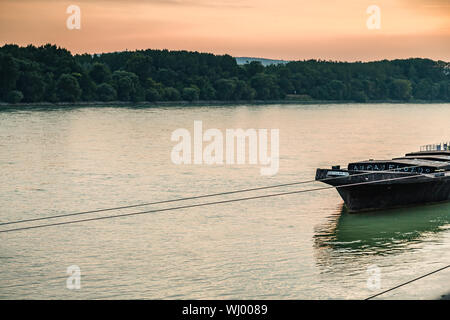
(264, 62)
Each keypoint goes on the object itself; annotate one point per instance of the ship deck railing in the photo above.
(443, 146)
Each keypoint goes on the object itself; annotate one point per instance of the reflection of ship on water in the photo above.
(383, 232)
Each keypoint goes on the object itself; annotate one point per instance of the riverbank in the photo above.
(182, 103)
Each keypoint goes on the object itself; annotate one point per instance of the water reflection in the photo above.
(347, 235)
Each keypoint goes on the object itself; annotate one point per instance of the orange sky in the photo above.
(285, 29)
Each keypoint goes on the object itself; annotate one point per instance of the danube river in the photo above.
(299, 246)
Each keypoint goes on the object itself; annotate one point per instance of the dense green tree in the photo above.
(87, 86)
(401, 89)
(356, 91)
(207, 92)
(265, 86)
(225, 89)
(50, 88)
(154, 75)
(171, 94)
(14, 96)
(167, 77)
(9, 73)
(253, 68)
(285, 81)
(105, 92)
(336, 90)
(444, 90)
(243, 91)
(32, 85)
(435, 91)
(100, 73)
(359, 96)
(191, 93)
(150, 83)
(141, 65)
(423, 89)
(68, 89)
(152, 95)
(382, 89)
(127, 86)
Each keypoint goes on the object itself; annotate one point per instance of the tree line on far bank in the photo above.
(52, 74)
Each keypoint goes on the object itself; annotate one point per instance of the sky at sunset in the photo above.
(282, 29)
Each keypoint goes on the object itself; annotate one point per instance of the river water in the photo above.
(300, 246)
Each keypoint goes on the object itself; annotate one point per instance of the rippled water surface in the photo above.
(301, 246)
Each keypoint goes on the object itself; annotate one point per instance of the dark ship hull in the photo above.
(416, 179)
